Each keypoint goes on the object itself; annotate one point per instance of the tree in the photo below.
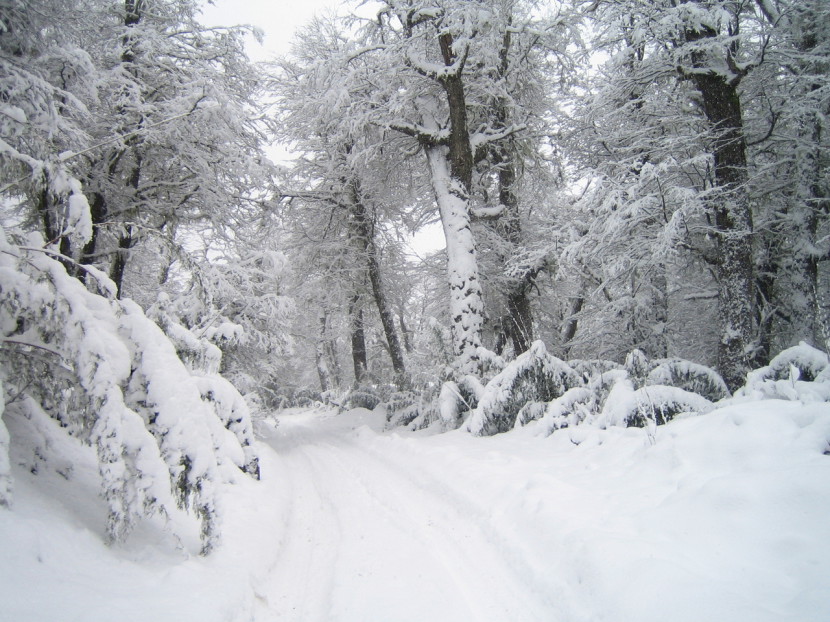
(703, 52)
(341, 178)
(176, 141)
(439, 58)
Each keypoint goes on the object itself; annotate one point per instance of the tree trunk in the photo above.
(451, 170)
(358, 340)
(518, 323)
(361, 230)
(119, 263)
(387, 319)
(466, 304)
(571, 323)
(325, 358)
(732, 216)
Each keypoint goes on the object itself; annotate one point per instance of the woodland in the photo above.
(633, 197)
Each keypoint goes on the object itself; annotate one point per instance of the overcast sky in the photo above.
(278, 19)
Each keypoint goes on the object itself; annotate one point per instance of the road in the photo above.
(368, 533)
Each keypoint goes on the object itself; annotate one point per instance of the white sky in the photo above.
(278, 19)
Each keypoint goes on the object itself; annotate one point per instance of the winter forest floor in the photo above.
(718, 517)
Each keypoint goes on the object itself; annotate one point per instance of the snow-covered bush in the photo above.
(532, 411)
(570, 409)
(490, 363)
(637, 365)
(110, 377)
(534, 376)
(659, 404)
(809, 362)
(591, 368)
(304, 398)
(689, 376)
(798, 373)
(401, 408)
(413, 410)
(362, 397)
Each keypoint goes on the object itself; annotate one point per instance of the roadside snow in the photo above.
(724, 517)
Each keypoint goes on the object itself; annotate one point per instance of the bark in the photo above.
(451, 169)
(53, 226)
(387, 319)
(466, 305)
(572, 322)
(119, 263)
(325, 359)
(361, 230)
(732, 218)
(358, 340)
(517, 325)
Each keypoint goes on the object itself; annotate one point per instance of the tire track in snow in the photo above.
(304, 569)
(401, 550)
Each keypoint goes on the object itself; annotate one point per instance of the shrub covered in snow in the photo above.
(689, 376)
(534, 375)
(798, 373)
(164, 434)
(591, 368)
(570, 409)
(363, 397)
(807, 360)
(638, 366)
(659, 404)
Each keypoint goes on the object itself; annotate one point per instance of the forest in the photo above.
(633, 198)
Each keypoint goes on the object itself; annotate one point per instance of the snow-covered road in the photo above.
(717, 517)
(370, 536)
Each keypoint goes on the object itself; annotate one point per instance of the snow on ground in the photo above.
(722, 517)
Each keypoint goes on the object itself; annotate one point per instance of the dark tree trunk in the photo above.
(387, 319)
(98, 212)
(572, 322)
(732, 217)
(52, 223)
(361, 230)
(518, 322)
(358, 340)
(119, 263)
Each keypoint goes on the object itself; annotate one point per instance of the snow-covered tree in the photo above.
(87, 366)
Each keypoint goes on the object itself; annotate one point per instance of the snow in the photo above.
(722, 517)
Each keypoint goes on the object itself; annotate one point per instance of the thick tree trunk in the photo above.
(119, 263)
(733, 222)
(518, 323)
(466, 304)
(451, 170)
(732, 218)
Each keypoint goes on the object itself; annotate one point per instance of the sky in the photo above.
(279, 20)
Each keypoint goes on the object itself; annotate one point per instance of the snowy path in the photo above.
(719, 517)
(367, 538)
